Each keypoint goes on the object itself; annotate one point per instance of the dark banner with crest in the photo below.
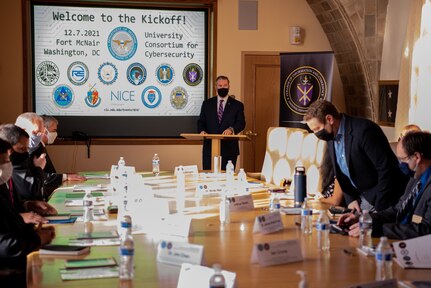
(304, 78)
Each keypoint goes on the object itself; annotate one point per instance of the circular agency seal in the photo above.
(122, 43)
(192, 74)
(179, 98)
(62, 96)
(165, 74)
(77, 73)
(107, 73)
(92, 100)
(151, 97)
(47, 73)
(302, 87)
(136, 74)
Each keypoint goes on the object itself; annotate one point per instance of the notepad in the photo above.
(90, 263)
(54, 249)
(89, 273)
(97, 235)
(59, 216)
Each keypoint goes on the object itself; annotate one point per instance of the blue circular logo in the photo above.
(77, 73)
(107, 73)
(165, 74)
(136, 74)
(63, 96)
(122, 43)
(92, 100)
(151, 97)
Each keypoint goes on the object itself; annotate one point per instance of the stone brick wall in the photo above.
(355, 29)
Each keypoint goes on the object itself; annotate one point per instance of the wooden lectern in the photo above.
(215, 140)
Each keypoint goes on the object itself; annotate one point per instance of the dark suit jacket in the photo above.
(52, 179)
(372, 165)
(17, 239)
(385, 222)
(233, 116)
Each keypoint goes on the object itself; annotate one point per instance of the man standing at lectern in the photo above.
(221, 115)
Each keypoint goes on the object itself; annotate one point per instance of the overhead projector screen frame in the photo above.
(126, 126)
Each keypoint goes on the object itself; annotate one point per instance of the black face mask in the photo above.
(222, 92)
(324, 135)
(404, 167)
(18, 158)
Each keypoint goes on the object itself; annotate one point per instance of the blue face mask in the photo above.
(404, 167)
(34, 141)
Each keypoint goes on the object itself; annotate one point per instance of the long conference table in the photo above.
(227, 244)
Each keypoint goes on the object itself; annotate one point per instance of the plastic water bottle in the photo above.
(181, 189)
(121, 162)
(365, 226)
(217, 279)
(230, 170)
(242, 179)
(322, 228)
(274, 202)
(156, 165)
(306, 217)
(127, 250)
(224, 210)
(88, 204)
(126, 227)
(383, 260)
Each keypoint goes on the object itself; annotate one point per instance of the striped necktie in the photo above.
(407, 206)
(220, 111)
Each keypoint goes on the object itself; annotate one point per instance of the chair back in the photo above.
(287, 148)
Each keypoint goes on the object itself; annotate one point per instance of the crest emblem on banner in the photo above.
(303, 86)
(92, 99)
(151, 97)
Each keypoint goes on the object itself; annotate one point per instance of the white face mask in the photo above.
(5, 172)
(51, 136)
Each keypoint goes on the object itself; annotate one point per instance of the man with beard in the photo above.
(221, 115)
(362, 159)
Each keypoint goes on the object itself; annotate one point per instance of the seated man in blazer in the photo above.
(411, 216)
(221, 115)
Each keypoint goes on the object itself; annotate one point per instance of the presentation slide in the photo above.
(100, 61)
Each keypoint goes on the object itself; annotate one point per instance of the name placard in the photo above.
(268, 223)
(177, 253)
(413, 253)
(175, 226)
(211, 189)
(187, 170)
(241, 203)
(199, 276)
(276, 252)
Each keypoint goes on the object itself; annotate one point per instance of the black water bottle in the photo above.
(300, 185)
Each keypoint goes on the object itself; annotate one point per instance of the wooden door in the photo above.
(261, 90)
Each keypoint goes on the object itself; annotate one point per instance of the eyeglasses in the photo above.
(403, 159)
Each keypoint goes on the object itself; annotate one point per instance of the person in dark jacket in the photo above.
(411, 216)
(53, 179)
(364, 164)
(17, 239)
(221, 115)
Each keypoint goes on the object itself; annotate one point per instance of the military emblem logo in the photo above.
(179, 98)
(122, 43)
(77, 73)
(47, 73)
(192, 74)
(165, 74)
(107, 73)
(302, 87)
(136, 74)
(63, 96)
(151, 97)
(92, 100)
